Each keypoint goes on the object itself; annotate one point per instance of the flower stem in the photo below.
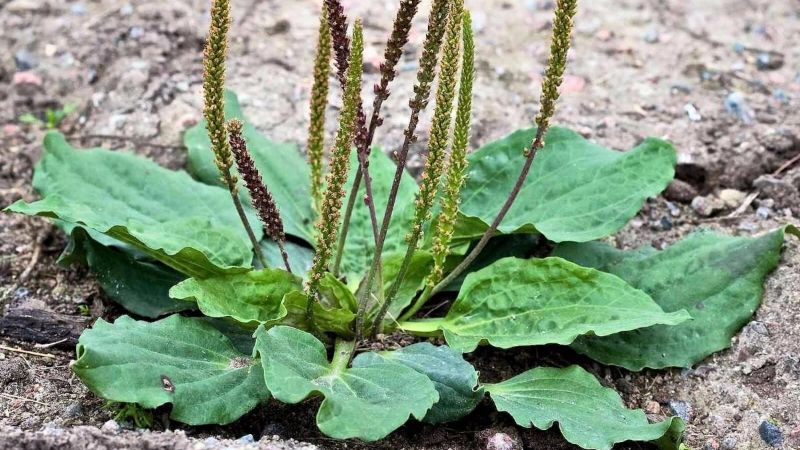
(328, 222)
(422, 90)
(434, 165)
(214, 108)
(246, 223)
(343, 351)
(392, 54)
(562, 31)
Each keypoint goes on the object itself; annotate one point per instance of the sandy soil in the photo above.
(720, 78)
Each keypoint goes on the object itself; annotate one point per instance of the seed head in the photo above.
(262, 199)
(442, 121)
(457, 168)
(328, 222)
(214, 88)
(557, 62)
(319, 102)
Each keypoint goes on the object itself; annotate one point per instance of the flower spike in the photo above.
(457, 168)
(319, 102)
(434, 165)
(261, 197)
(214, 108)
(328, 222)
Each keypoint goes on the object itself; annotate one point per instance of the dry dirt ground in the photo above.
(720, 78)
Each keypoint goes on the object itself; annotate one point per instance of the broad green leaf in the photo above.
(516, 302)
(140, 286)
(718, 279)
(187, 225)
(576, 190)
(414, 281)
(240, 335)
(333, 312)
(178, 360)
(300, 256)
(588, 414)
(366, 401)
(503, 246)
(283, 168)
(252, 298)
(360, 244)
(455, 380)
(327, 318)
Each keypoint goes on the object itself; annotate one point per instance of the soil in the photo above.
(719, 78)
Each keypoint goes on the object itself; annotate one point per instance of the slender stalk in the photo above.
(328, 222)
(260, 196)
(249, 230)
(562, 30)
(318, 104)
(392, 54)
(214, 108)
(425, 76)
(434, 165)
(343, 351)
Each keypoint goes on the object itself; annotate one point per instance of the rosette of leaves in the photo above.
(163, 241)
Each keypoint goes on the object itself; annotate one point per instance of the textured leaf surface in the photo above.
(367, 401)
(455, 380)
(360, 244)
(187, 225)
(141, 287)
(503, 246)
(718, 279)
(327, 318)
(414, 281)
(253, 298)
(283, 168)
(516, 302)
(178, 360)
(588, 414)
(334, 312)
(576, 190)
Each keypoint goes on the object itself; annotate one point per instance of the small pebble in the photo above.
(681, 409)
(736, 105)
(652, 36)
(729, 443)
(498, 440)
(246, 439)
(680, 191)
(770, 434)
(747, 226)
(126, 10)
(674, 211)
(25, 60)
(763, 212)
(73, 410)
(78, 9)
(111, 426)
(692, 112)
(766, 61)
(732, 198)
(665, 223)
(136, 32)
(781, 96)
(652, 407)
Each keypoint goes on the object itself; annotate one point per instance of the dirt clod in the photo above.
(13, 369)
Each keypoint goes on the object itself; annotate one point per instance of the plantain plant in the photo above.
(282, 310)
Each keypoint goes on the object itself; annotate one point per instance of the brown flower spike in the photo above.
(262, 199)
